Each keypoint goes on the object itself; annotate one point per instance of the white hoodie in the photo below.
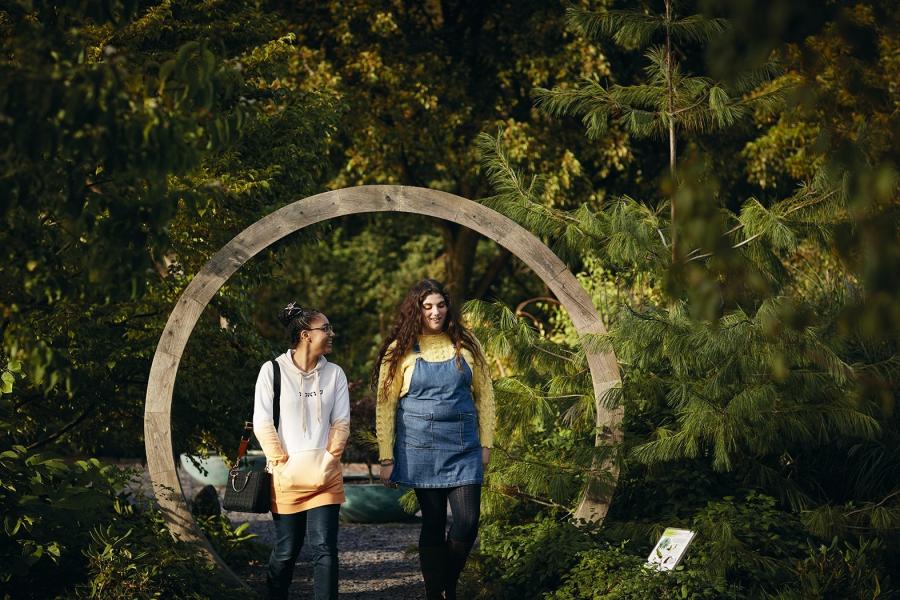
(304, 453)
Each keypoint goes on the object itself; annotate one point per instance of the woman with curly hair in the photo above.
(435, 426)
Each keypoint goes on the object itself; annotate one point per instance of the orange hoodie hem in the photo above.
(286, 503)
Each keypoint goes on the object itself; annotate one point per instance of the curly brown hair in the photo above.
(408, 327)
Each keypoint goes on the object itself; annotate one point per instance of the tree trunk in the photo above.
(671, 119)
(491, 274)
(459, 259)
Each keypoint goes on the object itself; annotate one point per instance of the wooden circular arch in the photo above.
(337, 203)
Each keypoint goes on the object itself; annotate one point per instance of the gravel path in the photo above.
(377, 561)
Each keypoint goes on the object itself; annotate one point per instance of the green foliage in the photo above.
(423, 81)
(756, 334)
(668, 96)
(748, 541)
(49, 507)
(792, 373)
(235, 545)
(609, 573)
(90, 143)
(840, 570)
(633, 29)
(70, 531)
(759, 354)
(548, 558)
(135, 557)
(519, 561)
(409, 502)
(141, 145)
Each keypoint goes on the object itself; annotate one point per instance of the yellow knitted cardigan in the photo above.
(434, 348)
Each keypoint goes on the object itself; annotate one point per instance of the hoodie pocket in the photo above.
(306, 471)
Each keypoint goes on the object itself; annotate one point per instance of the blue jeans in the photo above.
(320, 528)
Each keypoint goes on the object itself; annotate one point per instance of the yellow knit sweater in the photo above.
(434, 348)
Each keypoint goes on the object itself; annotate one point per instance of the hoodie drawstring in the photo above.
(318, 400)
(304, 425)
(304, 418)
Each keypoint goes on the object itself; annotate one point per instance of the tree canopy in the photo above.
(721, 174)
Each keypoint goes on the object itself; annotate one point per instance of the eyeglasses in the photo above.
(326, 328)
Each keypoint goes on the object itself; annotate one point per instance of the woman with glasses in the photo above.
(435, 426)
(303, 450)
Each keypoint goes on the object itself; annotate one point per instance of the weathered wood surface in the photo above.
(329, 205)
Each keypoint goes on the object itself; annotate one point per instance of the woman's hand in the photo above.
(485, 456)
(385, 474)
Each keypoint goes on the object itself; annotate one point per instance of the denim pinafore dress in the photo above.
(436, 443)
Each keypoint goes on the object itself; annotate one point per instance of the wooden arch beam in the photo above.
(329, 205)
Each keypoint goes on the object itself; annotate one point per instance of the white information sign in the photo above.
(670, 549)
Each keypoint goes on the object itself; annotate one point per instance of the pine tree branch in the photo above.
(811, 202)
(747, 241)
(662, 237)
(687, 108)
(515, 492)
(803, 204)
(547, 466)
(625, 28)
(553, 354)
(873, 506)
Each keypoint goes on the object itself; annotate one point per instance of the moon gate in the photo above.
(329, 205)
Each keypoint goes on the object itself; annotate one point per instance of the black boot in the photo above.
(433, 560)
(457, 553)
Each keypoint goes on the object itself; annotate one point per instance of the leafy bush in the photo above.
(68, 531)
(561, 561)
(136, 557)
(609, 573)
(748, 541)
(49, 508)
(522, 561)
(235, 545)
(841, 570)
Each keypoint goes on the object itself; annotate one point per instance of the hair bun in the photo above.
(289, 312)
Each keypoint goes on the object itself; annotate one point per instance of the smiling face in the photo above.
(434, 313)
(319, 335)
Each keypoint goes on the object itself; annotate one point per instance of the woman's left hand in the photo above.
(485, 456)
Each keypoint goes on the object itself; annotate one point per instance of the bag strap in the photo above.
(276, 413)
(276, 385)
